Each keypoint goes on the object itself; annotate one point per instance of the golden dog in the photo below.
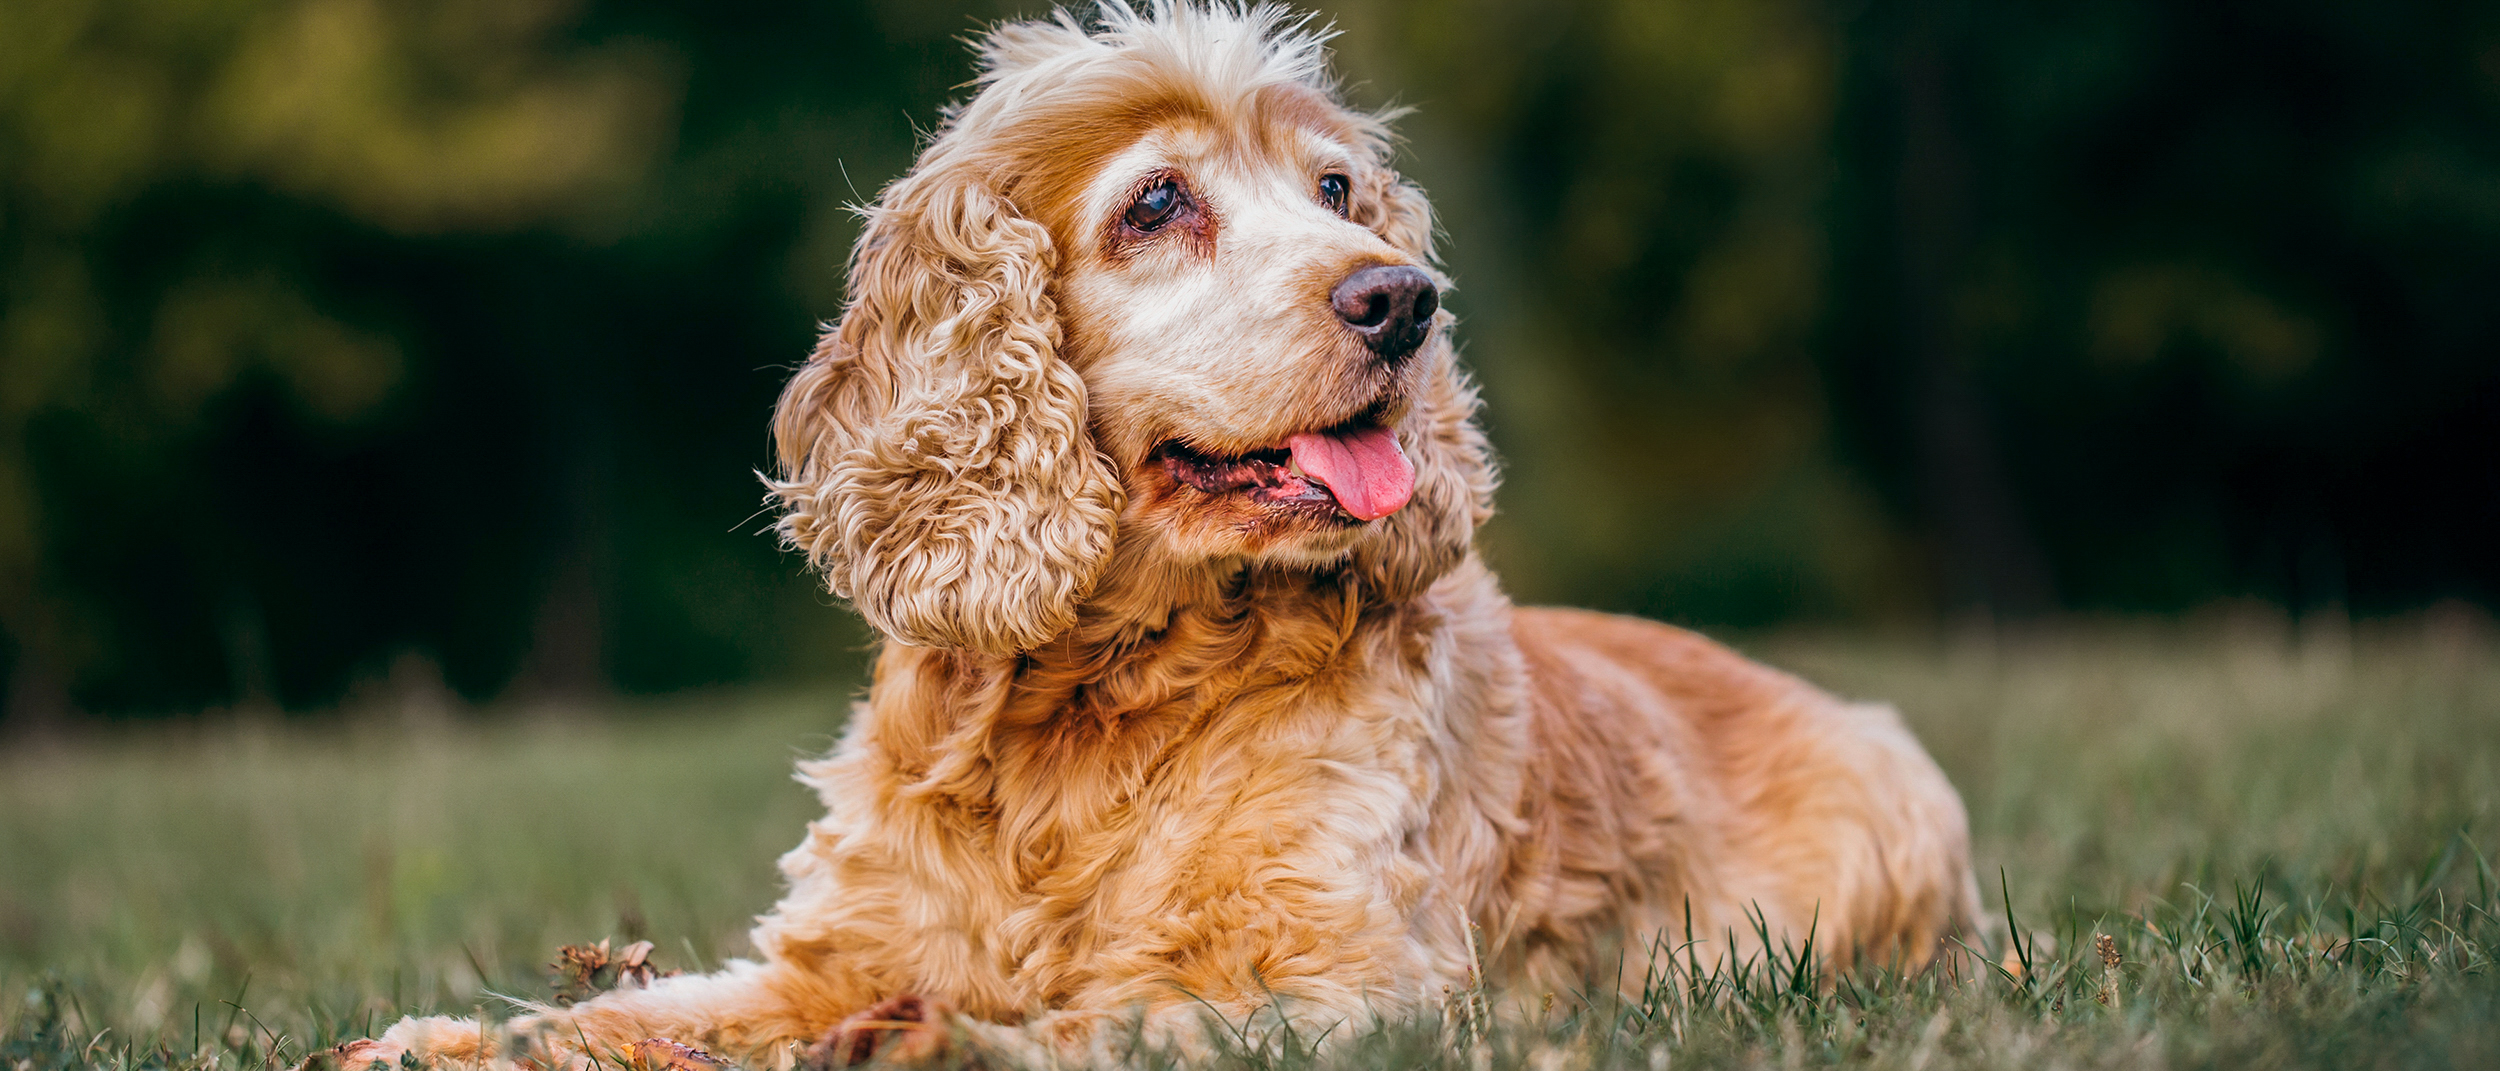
(1143, 443)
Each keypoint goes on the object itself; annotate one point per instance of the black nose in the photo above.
(1390, 306)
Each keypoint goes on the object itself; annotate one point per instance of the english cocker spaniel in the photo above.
(1143, 444)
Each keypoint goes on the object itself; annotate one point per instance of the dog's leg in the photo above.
(747, 1012)
(912, 1031)
(757, 1013)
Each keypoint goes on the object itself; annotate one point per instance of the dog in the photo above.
(1142, 442)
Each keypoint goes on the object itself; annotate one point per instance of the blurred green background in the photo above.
(356, 345)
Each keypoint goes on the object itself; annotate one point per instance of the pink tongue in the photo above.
(1364, 468)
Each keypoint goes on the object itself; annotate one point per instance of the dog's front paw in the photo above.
(435, 1041)
(903, 1031)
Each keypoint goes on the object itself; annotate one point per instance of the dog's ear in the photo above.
(1454, 481)
(1397, 211)
(1454, 469)
(935, 462)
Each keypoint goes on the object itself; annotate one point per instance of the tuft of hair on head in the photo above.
(1235, 45)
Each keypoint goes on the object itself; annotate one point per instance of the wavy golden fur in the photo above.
(1144, 744)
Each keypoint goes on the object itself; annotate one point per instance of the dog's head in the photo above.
(1152, 288)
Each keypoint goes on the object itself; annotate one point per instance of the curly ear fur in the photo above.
(1395, 209)
(1454, 482)
(1454, 470)
(935, 462)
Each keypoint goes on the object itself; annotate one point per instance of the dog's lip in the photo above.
(1272, 475)
(1267, 473)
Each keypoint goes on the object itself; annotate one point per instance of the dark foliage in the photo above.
(352, 344)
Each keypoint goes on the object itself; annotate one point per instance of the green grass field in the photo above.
(2285, 833)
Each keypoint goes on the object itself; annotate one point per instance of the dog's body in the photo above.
(1143, 443)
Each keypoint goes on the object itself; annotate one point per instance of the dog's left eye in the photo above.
(1334, 190)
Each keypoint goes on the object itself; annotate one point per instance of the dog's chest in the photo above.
(1228, 817)
(1206, 839)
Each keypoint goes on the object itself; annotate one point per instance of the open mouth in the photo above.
(1355, 469)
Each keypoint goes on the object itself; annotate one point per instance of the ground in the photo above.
(2229, 841)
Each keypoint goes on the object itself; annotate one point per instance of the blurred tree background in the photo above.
(355, 344)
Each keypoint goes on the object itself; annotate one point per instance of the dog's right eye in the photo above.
(1156, 206)
(1334, 191)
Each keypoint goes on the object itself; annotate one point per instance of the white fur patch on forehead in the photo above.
(1315, 149)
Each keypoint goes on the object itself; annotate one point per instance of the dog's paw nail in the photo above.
(359, 1055)
(905, 1030)
(662, 1054)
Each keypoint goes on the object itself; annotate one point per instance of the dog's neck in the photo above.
(1158, 655)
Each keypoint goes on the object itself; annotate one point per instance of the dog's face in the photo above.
(1152, 300)
(1249, 351)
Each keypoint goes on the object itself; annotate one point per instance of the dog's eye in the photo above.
(1156, 206)
(1334, 190)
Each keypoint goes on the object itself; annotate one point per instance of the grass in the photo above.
(2227, 842)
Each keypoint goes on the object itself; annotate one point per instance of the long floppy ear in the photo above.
(1395, 209)
(935, 462)
(1454, 481)
(1454, 469)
